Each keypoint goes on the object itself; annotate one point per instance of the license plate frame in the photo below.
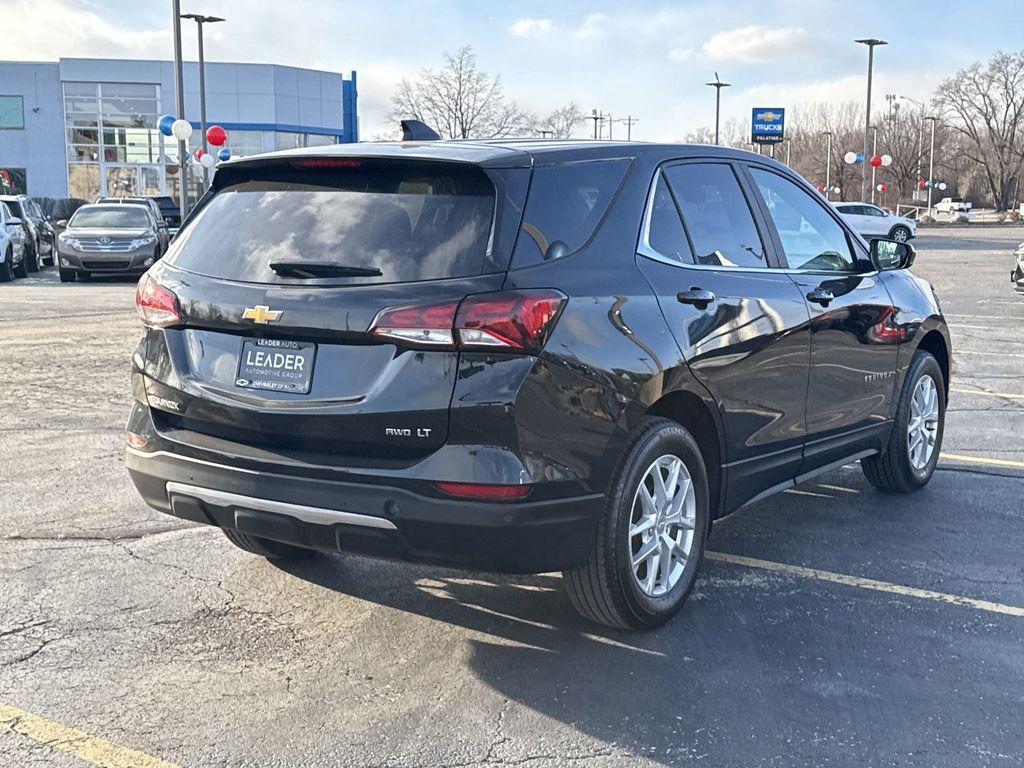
(276, 365)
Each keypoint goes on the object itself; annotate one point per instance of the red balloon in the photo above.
(199, 153)
(216, 135)
(885, 188)
(821, 187)
(920, 184)
(876, 161)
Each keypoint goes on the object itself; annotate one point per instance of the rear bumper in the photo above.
(378, 520)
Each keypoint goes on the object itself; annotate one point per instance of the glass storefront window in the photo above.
(84, 180)
(12, 113)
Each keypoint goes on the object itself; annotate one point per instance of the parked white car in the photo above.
(12, 246)
(872, 221)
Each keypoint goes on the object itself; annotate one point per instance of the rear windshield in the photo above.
(410, 220)
(126, 216)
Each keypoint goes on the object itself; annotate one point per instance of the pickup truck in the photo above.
(952, 205)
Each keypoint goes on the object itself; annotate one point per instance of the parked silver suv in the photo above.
(108, 239)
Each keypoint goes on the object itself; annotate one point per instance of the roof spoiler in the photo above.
(417, 130)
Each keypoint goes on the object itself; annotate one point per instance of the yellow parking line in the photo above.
(983, 460)
(808, 493)
(983, 393)
(990, 354)
(838, 488)
(91, 749)
(857, 581)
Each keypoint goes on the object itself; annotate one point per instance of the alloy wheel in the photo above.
(661, 525)
(923, 426)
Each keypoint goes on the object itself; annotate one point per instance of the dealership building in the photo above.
(86, 127)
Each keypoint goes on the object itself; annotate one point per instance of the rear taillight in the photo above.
(511, 321)
(157, 306)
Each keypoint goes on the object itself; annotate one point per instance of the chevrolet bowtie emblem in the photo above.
(769, 116)
(262, 315)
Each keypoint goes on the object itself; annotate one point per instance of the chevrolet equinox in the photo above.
(524, 356)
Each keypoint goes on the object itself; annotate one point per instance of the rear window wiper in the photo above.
(311, 269)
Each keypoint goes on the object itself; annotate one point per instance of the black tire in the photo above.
(604, 590)
(6, 273)
(32, 260)
(900, 234)
(891, 470)
(21, 269)
(272, 550)
(67, 275)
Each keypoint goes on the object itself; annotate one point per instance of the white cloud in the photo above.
(531, 27)
(681, 54)
(758, 43)
(593, 25)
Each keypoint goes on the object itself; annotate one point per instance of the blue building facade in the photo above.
(87, 127)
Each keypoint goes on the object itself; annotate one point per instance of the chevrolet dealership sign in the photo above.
(767, 125)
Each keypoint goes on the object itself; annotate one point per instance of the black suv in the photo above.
(524, 356)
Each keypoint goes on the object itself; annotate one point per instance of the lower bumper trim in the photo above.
(314, 515)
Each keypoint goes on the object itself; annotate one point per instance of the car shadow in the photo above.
(632, 691)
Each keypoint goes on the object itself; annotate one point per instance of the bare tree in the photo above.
(460, 101)
(560, 124)
(985, 105)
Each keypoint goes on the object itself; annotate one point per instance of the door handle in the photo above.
(821, 296)
(696, 296)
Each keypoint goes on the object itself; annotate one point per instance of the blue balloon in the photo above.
(860, 157)
(224, 154)
(164, 124)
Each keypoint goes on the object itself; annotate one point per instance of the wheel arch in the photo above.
(934, 343)
(702, 420)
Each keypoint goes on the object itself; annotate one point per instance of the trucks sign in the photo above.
(767, 125)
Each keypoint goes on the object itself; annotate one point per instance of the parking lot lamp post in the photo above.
(718, 85)
(828, 163)
(931, 162)
(199, 19)
(179, 111)
(870, 42)
(874, 151)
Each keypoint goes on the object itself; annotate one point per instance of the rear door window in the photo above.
(565, 204)
(665, 233)
(716, 215)
(410, 220)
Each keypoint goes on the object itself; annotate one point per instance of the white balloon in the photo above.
(886, 160)
(849, 157)
(181, 129)
(207, 160)
(942, 186)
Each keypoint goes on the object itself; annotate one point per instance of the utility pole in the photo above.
(629, 121)
(199, 19)
(828, 164)
(596, 118)
(179, 87)
(718, 85)
(931, 164)
(870, 42)
(610, 121)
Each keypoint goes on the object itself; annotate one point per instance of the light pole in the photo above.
(179, 87)
(199, 19)
(870, 42)
(931, 164)
(920, 133)
(874, 151)
(718, 85)
(828, 164)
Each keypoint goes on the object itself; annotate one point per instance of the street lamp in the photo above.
(199, 19)
(179, 89)
(870, 42)
(828, 163)
(931, 163)
(718, 85)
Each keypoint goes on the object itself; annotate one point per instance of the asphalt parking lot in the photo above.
(833, 626)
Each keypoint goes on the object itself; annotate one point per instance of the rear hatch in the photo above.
(279, 277)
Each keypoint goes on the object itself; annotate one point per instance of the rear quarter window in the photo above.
(565, 204)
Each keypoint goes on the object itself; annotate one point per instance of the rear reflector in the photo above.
(157, 306)
(483, 491)
(510, 321)
(136, 441)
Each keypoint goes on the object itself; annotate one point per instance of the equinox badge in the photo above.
(261, 314)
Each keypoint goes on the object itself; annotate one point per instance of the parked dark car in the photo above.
(169, 210)
(39, 233)
(108, 239)
(524, 356)
(162, 229)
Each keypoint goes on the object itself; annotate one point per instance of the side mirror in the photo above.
(61, 223)
(888, 254)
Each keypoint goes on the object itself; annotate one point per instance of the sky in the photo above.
(649, 60)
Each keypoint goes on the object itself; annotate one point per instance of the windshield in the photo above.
(112, 217)
(410, 220)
